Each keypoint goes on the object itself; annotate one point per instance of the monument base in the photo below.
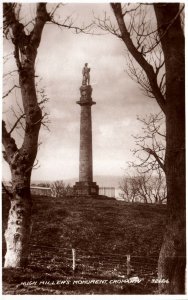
(85, 188)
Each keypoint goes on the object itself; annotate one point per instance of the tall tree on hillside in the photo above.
(164, 81)
(25, 38)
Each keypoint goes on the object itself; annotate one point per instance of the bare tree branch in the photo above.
(150, 145)
(15, 86)
(16, 123)
(139, 57)
(83, 29)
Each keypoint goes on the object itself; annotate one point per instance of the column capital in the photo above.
(86, 99)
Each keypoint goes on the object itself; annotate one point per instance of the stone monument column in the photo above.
(86, 186)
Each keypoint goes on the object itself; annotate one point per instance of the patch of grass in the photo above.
(100, 228)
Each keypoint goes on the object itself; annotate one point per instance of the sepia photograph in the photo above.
(93, 148)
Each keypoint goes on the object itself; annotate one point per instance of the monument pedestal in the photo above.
(85, 188)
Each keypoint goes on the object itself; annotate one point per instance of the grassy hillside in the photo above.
(102, 231)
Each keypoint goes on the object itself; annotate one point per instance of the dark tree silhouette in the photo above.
(141, 39)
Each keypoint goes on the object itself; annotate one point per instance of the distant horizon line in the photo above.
(69, 178)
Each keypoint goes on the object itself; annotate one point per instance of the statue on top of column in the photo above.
(86, 75)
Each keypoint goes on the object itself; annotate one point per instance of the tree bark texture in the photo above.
(17, 234)
(172, 261)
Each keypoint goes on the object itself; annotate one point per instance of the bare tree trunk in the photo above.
(21, 160)
(172, 259)
(17, 234)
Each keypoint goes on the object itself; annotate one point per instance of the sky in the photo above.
(61, 57)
